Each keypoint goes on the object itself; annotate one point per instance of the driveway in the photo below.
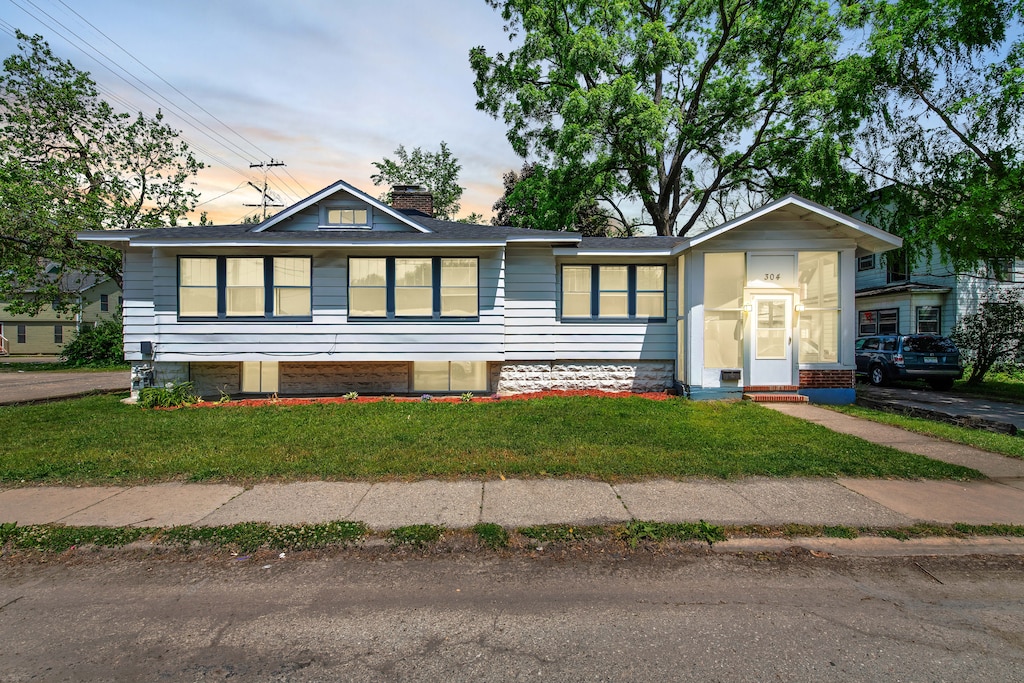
(24, 387)
(946, 403)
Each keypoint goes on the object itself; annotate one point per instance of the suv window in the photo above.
(928, 345)
(871, 344)
(889, 345)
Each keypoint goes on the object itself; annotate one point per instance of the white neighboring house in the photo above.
(341, 292)
(895, 296)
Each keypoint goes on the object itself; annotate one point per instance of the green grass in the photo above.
(97, 439)
(59, 367)
(978, 438)
(1004, 386)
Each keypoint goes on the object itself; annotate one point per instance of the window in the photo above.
(889, 321)
(245, 287)
(1002, 269)
(21, 334)
(104, 302)
(345, 216)
(613, 292)
(819, 319)
(866, 263)
(259, 377)
(928, 320)
(58, 334)
(867, 323)
(897, 266)
(396, 287)
(447, 376)
(724, 277)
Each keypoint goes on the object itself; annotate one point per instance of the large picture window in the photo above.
(613, 292)
(419, 288)
(248, 287)
(819, 319)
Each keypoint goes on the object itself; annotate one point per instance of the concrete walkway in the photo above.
(513, 503)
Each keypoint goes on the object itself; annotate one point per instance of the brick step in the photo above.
(769, 388)
(774, 397)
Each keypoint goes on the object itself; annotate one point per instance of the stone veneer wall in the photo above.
(827, 379)
(209, 379)
(518, 378)
(328, 379)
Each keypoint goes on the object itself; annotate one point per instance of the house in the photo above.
(341, 292)
(47, 332)
(897, 296)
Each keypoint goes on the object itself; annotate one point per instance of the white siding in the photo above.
(534, 330)
(137, 310)
(329, 336)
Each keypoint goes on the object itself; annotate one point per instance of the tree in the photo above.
(544, 199)
(672, 103)
(68, 163)
(99, 345)
(995, 334)
(945, 133)
(437, 171)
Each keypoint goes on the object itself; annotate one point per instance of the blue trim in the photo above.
(831, 397)
(389, 284)
(595, 294)
(222, 297)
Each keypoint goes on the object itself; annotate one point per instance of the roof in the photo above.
(430, 232)
(869, 238)
(901, 287)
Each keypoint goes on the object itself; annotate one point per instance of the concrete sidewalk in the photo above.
(513, 503)
(30, 386)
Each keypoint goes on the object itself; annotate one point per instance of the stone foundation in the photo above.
(336, 379)
(526, 377)
(156, 375)
(209, 379)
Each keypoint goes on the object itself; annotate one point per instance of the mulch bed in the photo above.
(252, 402)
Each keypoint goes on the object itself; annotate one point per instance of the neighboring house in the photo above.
(341, 292)
(47, 332)
(896, 296)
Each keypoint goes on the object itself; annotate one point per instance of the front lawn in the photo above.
(1001, 386)
(99, 440)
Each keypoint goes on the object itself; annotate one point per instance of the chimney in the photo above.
(414, 197)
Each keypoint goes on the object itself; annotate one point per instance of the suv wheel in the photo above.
(876, 375)
(941, 383)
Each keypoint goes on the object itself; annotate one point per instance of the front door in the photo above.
(771, 359)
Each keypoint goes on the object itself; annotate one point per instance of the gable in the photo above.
(342, 208)
(796, 220)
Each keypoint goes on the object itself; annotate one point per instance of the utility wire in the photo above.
(165, 82)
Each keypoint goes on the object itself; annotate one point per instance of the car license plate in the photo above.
(931, 359)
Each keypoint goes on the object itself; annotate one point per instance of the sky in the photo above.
(326, 86)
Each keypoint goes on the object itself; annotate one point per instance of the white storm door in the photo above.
(771, 359)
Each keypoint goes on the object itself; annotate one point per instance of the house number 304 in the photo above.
(771, 277)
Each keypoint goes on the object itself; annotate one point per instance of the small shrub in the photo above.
(426, 398)
(169, 396)
(351, 396)
(494, 536)
(390, 398)
(466, 397)
(415, 535)
(100, 345)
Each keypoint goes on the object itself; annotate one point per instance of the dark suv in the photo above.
(934, 359)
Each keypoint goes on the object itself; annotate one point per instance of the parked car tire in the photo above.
(941, 383)
(877, 376)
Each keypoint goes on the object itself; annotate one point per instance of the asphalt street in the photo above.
(649, 617)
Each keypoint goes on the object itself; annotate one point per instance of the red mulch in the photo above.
(654, 396)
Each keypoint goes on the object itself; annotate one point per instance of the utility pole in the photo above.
(267, 198)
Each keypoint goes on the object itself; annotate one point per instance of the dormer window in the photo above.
(345, 216)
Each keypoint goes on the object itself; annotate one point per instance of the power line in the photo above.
(165, 82)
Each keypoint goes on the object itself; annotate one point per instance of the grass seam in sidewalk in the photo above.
(250, 537)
